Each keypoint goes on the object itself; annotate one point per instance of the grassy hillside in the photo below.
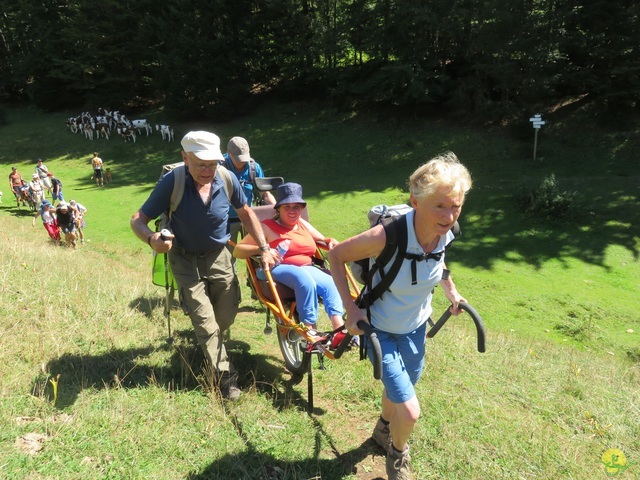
(556, 389)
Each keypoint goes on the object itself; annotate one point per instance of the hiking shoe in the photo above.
(317, 339)
(381, 435)
(398, 464)
(229, 387)
(316, 336)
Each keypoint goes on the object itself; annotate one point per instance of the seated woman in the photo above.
(295, 268)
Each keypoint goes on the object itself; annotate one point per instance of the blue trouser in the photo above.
(308, 283)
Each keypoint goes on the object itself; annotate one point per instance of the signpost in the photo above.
(537, 122)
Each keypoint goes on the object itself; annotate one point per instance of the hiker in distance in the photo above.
(400, 316)
(200, 263)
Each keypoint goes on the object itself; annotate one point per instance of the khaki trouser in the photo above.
(210, 296)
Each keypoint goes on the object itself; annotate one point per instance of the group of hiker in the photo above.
(33, 192)
(199, 230)
(65, 218)
(62, 219)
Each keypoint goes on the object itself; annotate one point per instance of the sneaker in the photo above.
(229, 387)
(316, 338)
(398, 464)
(381, 435)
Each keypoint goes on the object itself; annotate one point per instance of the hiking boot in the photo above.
(381, 435)
(398, 464)
(229, 387)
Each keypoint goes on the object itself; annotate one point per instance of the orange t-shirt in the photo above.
(302, 247)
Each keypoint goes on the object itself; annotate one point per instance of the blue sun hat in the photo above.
(289, 193)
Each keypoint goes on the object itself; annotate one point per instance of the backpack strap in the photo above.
(227, 181)
(179, 179)
(397, 238)
(396, 233)
(252, 171)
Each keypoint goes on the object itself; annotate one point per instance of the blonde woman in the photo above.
(438, 189)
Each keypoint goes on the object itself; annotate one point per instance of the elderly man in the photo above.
(200, 263)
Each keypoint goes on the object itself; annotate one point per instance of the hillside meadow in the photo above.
(90, 388)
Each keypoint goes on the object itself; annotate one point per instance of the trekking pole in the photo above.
(168, 296)
(476, 319)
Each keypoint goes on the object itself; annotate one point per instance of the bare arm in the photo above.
(451, 293)
(140, 226)
(268, 198)
(252, 225)
(245, 248)
(365, 245)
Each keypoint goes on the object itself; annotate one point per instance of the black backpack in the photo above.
(395, 228)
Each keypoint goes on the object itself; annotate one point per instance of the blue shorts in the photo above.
(402, 361)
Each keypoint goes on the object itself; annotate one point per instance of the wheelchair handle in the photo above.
(476, 319)
(374, 343)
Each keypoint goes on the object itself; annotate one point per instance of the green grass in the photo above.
(556, 388)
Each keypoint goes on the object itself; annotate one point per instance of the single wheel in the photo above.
(292, 346)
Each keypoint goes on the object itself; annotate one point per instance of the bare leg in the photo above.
(402, 418)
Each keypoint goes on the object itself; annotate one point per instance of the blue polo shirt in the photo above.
(198, 228)
(244, 178)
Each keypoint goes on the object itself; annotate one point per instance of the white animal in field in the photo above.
(166, 131)
(142, 125)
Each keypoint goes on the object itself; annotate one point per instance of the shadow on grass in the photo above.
(255, 464)
(135, 368)
(147, 305)
(608, 218)
(19, 212)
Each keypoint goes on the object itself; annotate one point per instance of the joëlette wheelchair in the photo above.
(296, 344)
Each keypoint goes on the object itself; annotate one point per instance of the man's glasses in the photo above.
(205, 166)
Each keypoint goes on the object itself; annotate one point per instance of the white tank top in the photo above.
(406, 307)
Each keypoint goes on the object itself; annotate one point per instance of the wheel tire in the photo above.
(296, 359)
